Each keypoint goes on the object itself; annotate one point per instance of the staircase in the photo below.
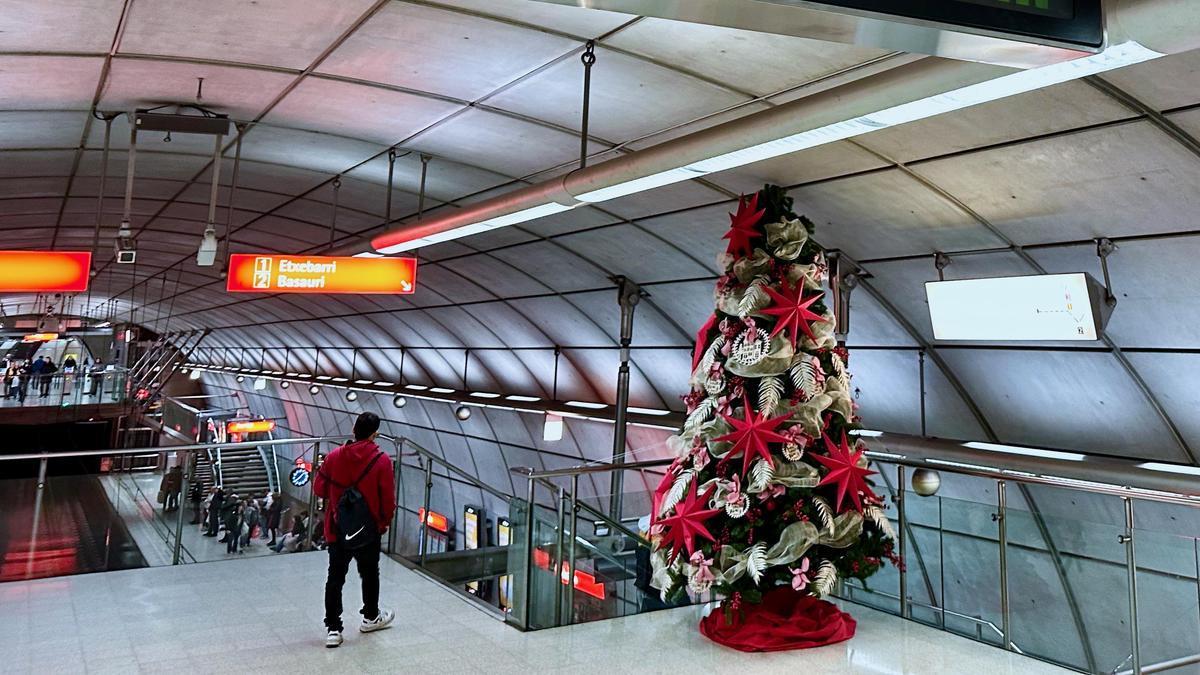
(243, 472)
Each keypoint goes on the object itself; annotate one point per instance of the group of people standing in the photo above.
(237, 520)
(18, 375)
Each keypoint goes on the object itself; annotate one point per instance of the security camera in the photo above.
(126, 247)
(207, 255)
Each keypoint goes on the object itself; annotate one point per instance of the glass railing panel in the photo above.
(1071, 608)
(923, 559)
(64, 389)
(62, 525)
(1168, 599)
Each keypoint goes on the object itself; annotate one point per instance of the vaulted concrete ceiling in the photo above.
(491, 92)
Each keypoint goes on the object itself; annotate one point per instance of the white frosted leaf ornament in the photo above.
(756, 561)
(761, 475)
(754, 298)
(804, 377)
(770, 391)
(826, 578)
(676, 493)
(880, 520)
(699, 416)
(824, 512)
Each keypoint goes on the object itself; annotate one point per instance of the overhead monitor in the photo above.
(1038, 307)
(268, 273)
(1075, 22)
(44, 271)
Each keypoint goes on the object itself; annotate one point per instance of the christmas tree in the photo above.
(770, 489)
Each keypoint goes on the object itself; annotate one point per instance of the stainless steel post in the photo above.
(902, 523)
(424, 515)
(391, 545)
(1131, 572)
(37, 515)
(183, 495)
(1002, 537)
(628, 295)
(312, 493)
(561, 567)
(571, 547)
(526, 562)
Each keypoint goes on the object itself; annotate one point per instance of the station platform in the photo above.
(264, 615)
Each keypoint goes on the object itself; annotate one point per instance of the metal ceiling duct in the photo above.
(909, 82)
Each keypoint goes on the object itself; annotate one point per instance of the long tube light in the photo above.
(1020, 82)
(593, 184)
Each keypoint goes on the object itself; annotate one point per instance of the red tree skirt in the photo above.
(784, 620)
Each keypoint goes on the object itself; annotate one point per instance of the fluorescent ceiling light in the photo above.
(648, 411)
(363, 381)
(866, 433)
(1117, 56)
(524, 399)
(484, 394)
(1031, 452)
(324, 378)
(476, 228)
(367, 254)
(586, 404)
(885, 455)
(340, 379)
(1170, 468)
(384, 383)
(293, 375)
(441, 390)
(963, 465)
(416, 387)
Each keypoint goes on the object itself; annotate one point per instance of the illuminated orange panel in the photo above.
(436, 520)
(44, 271)
(253, 426)
(252, 273)
(40, 337)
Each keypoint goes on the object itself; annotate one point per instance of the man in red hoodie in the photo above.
(363, 466)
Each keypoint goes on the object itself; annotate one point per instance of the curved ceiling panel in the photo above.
(490, 93)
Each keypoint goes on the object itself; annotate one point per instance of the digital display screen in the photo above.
(503, 538)
(1039, 307)
(471, 539)
(1062, 9)
(1075, 22)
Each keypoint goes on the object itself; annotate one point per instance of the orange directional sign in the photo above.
(44, 271)
(250, 427)
(251, 273)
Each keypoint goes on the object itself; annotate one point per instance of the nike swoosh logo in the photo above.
(351, 536)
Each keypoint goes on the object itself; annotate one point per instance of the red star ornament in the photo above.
(752, 433)
(791, 311)
(742, 226)
(844, 471)
(680, 530)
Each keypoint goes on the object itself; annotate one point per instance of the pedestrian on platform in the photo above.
(357, 484)
(48, 371)
(170, 487)
(231, 514)
(214, 511)
(274, 517)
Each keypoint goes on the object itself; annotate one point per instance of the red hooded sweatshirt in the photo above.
(341, 468)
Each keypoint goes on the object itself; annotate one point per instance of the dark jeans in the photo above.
(232, 536)
(367, 558)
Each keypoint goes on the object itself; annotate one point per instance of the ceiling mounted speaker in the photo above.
(399, 401)
(463, 413)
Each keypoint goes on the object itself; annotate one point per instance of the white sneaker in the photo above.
(333, 639)
(380, 622)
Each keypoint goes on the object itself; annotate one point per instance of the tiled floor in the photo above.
(264, 615)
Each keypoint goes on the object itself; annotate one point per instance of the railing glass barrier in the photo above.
(79, 388)
(93, 511)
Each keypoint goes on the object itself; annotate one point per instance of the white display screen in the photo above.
(1040, 307)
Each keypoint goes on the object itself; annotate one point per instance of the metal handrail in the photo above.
(166, 448)
(582, 469)
(401, 441)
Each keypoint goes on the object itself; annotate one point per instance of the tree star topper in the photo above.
(743, 226)
(791, 310)
(844, 471)
(752, 433)
(680, 530)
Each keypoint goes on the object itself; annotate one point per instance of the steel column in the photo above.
(558, 554)
(1002, 538)
(1131, 573)
(424, 514)
(189, 467)
(527, 559)
(902, 523)
(628, 296)
(571, 554)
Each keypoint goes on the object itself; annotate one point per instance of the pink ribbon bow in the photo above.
(800, 578)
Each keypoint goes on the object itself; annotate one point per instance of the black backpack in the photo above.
(355, 522)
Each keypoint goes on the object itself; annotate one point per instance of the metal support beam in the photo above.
(628, 296)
